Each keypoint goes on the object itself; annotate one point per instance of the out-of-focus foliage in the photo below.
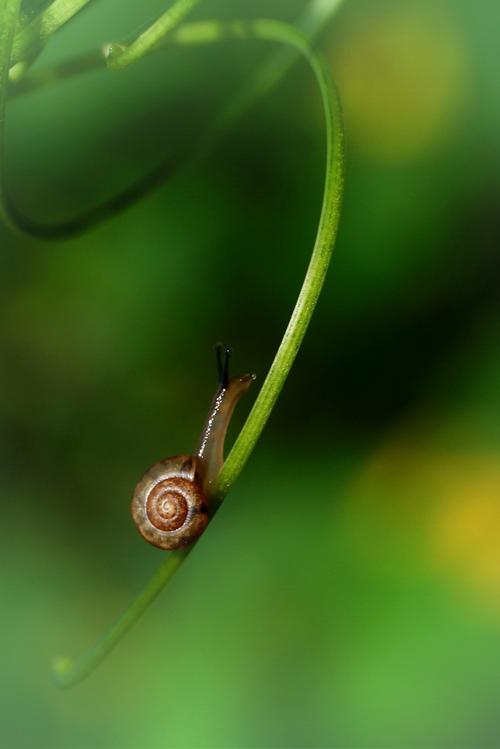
(348, 592)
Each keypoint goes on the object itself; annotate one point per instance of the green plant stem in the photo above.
(318, 264)
(119, 57)
(55, 74)
(67, 671)
(267, 76)
(36, 33)
(9, 14)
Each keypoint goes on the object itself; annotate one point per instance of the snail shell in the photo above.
(169, 506)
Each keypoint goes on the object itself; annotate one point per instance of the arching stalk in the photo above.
(66, 670)
(266, 77)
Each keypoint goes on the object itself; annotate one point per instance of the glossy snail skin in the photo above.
(211, 445)
(171, 502)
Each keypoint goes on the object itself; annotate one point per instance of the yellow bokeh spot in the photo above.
(465, 532)
(440, 508)
(402, 76)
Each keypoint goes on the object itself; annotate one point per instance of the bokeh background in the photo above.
(348, 592)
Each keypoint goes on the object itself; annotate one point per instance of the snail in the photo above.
(171, 502)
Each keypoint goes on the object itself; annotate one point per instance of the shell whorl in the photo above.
(169, 507)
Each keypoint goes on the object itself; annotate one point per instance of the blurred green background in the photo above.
(348, 592)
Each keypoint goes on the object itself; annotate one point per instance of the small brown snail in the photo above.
(171, 502)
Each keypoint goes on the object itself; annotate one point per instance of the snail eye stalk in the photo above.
(222, 356)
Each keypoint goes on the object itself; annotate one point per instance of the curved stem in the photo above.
(37, 32)
(267, 76)
(9, 15)
(318, 264)
(67, 671)
(119, 57)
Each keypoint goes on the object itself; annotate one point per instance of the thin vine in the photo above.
(267, 76)
(69, 671)
(29, 41)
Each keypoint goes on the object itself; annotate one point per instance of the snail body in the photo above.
(171, 502)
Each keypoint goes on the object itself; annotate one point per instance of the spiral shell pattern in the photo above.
(168, 506)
